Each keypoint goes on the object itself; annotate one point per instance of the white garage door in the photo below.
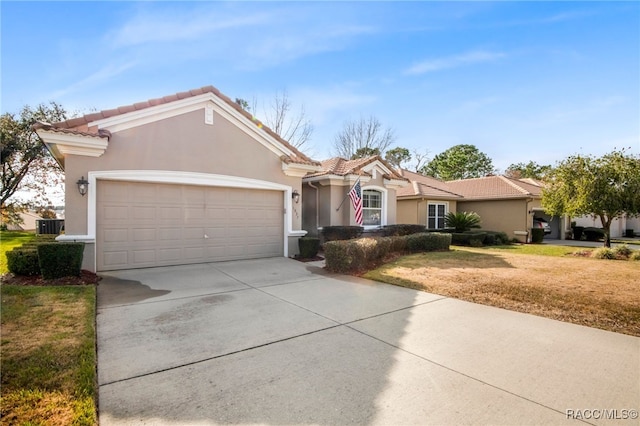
(146, 224)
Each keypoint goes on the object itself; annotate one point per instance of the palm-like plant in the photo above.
(462, 221)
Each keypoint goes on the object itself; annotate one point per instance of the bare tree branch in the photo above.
(363, 135)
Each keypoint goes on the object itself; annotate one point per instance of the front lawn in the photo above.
(9, 240)
(597, 293)
(48, 364)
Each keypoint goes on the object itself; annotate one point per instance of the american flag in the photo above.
(356, 199)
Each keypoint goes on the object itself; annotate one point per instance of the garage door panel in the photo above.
(142, 224)
(144, 257)
(116, 258)
(170, 213)
(169, 233)
(169, 255)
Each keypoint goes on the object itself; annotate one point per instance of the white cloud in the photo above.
(177, 25)
(107, 73)
(475, 57)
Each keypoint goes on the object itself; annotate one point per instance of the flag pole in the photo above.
(345, 197)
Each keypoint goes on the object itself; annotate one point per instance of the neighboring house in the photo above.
(29, 222)
(425, 200)
(504, 204)
(618, 227)
(325, 193)
(187, 178)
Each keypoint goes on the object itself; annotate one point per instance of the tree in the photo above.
(365, 152)
(365, 133)
(243, 104)
(531, 170)
(398, 156)
(459, 162)
(421, 158)
(295, 129)
(26, 163)
(607, 187)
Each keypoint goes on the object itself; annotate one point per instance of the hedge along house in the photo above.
(187, 178)
(325, 194)
(504, 204)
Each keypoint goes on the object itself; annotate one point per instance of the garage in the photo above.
(141, 224)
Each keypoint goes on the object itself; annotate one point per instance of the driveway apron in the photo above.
(276, 341)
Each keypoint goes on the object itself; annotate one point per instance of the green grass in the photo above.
(48, 373)
(9, 240)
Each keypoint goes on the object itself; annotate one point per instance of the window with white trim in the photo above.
(436, 213)
(371, 207)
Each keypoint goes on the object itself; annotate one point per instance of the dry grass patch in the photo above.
(596, 293)
(48, 355)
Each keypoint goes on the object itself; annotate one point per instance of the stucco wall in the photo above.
(181, 144)
(415, 211)
(335, 207)
(506, 216)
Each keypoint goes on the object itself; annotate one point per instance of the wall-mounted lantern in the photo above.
(83, 186)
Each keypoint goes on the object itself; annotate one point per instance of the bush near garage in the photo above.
(348, 256)
(59, 260)
(335, 233)
(309, 247)
(46, 257)
(23, 261)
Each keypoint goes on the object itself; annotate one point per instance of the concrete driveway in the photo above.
(276, 341)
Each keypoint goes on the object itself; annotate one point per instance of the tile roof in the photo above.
(102, 133)
(425, 186)
(341, 167)
(494, 187)
(80, 125)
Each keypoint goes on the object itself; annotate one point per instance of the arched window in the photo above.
(371, 207)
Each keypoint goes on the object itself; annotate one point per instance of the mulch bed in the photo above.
(85, 278)
(308, 259)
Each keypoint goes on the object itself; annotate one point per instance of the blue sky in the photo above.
(520, 80)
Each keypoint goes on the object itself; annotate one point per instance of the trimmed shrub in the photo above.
(501, 238)
(426, 241)
(402, 229)
(309, 247)
(364, 253)
(603, 253)
(472, 239)
(593, 234)
(629, 233)
(537, 235)
(398, 244)
(23, 261)
(622, 251)
(443, 230)
(334, 233)
(351, 255)
(60, 259)
(635, 255)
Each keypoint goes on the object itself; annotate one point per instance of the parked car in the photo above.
(541, 223)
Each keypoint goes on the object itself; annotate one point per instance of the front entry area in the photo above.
(141, 225)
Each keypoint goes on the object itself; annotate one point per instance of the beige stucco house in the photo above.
(326, 200)
(425, 201)
(186, 178)
(504, 204)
